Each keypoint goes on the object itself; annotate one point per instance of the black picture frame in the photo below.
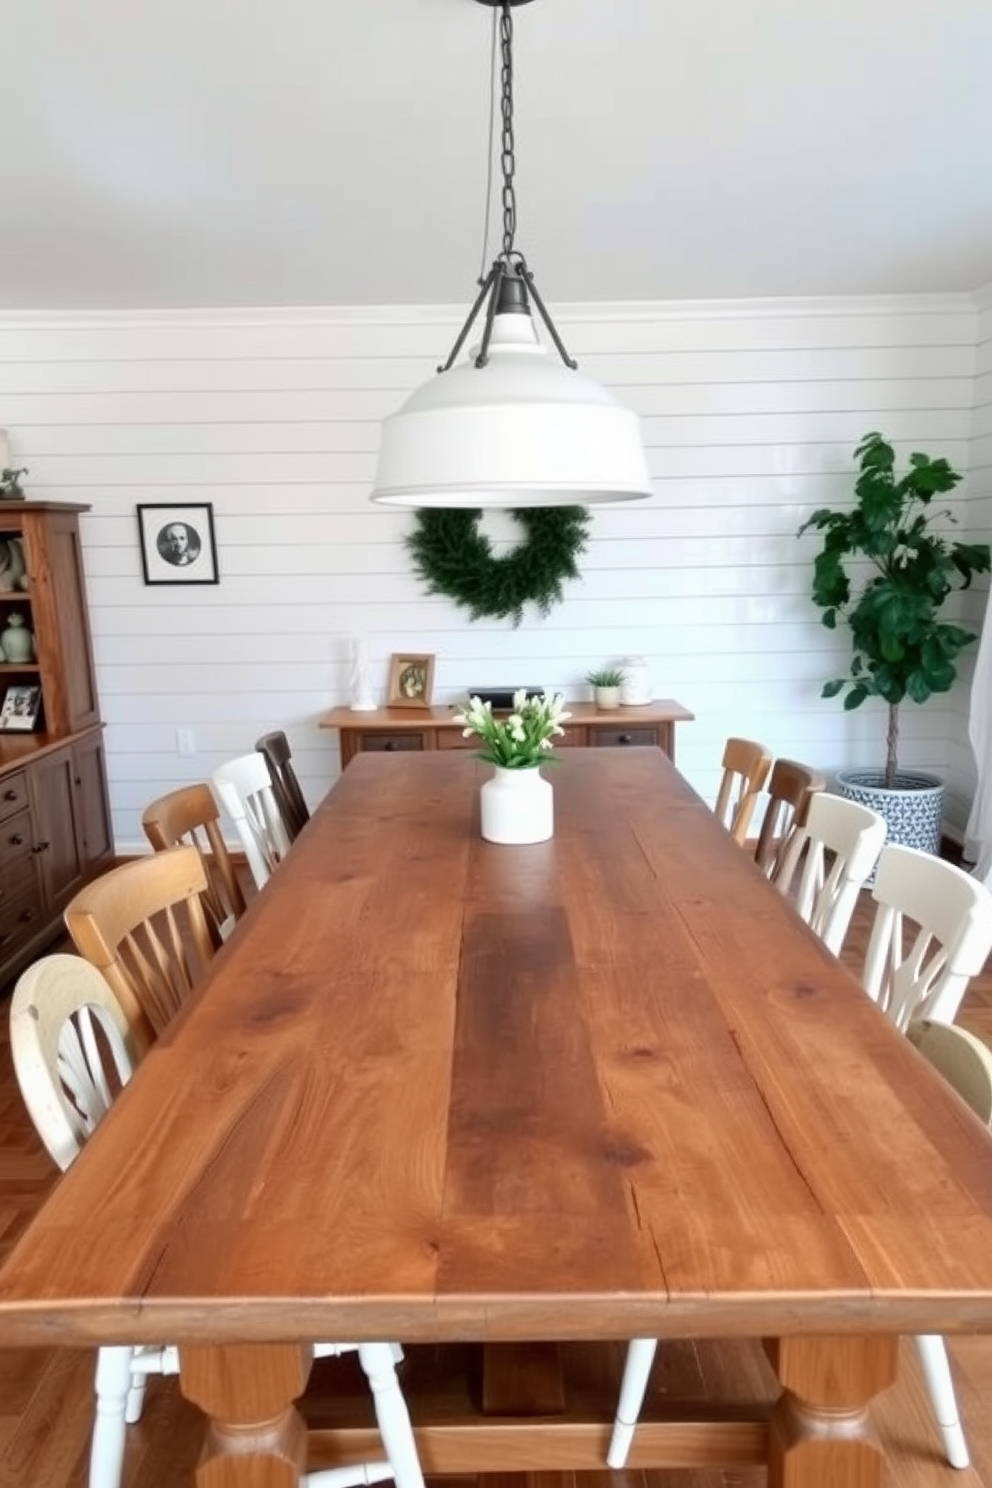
(21, 708)
(177, 542)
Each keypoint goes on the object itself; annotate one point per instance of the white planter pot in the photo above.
(607, 698)
(913, 811)
(517, 807)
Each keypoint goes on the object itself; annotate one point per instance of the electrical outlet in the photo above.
(185, 743)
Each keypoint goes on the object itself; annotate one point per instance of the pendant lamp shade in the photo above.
(521, 431)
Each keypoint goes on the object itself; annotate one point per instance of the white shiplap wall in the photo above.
(750, 414)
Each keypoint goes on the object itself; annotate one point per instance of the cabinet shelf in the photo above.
(19, 666)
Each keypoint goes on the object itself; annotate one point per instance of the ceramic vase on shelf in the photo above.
(518, 806)
(17, 642)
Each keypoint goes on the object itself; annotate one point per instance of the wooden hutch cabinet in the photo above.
(54, 810)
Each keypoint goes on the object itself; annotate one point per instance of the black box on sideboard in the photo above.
(501, 697)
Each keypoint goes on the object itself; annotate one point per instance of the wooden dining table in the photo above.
(435, 1089)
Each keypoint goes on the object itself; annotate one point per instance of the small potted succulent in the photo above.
(884, 570)
(10, 483)
(606, 683)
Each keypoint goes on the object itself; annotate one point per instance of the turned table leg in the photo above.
(821, 1434)
(255, 1438)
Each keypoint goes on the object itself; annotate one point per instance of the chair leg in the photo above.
(113, 1384)
(636, 1370)
(391, 1413)
(940, 1388)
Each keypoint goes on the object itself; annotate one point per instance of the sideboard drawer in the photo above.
(391, 743)
(609, 738)
(573, 737)
(455, 739)
(21, 918)
(13, 794)
(16, 838)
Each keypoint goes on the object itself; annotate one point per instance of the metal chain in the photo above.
(507, 157)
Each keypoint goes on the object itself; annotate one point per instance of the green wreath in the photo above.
(454, 558)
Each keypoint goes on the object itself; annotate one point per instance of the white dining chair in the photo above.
(951, 933)
(966, 1063)
(243, 788)
(852, 835)
(72, 1050)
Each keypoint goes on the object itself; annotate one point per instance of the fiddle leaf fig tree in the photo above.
(885, 572)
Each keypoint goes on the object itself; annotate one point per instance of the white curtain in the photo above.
(978, 835)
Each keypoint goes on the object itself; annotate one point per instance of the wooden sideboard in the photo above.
(390, 730)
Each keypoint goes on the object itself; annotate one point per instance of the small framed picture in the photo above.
(411, 681)
(20, 709)
(177, 543)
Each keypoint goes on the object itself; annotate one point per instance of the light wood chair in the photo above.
(143, 925)
(966, 1063)
(852, 835)
(791, 787)
(278, 756)
(244, 789)
(191, 815)
(65, 1024)
(746, 767)
(951, 913)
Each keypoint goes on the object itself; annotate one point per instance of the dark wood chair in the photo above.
(285, 786)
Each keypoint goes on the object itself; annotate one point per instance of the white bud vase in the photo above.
(518, 806)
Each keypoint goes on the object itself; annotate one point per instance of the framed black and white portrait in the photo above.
(21, 709)
(177, 543)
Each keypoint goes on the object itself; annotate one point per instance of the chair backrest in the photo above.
(746, 766)
(65, 1026)
(286, 788)
(144, 926)
(963, 1060)
(244, 790)
(191, 815)
(852, 835)
(791, 787)
(951, 914)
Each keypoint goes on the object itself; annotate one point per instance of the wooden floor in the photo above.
(46, 1397)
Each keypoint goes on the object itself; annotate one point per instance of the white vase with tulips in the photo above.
(517, 805)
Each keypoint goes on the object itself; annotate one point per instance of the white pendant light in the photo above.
(511, 425)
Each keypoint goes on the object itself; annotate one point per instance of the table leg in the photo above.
(821, 1434)
(255, 1438)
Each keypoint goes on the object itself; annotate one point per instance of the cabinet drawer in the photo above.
(390, 743)
(454, 739)
(16, 839)
(611, 737)
(574, 737)
(13, 794)
(20, 919)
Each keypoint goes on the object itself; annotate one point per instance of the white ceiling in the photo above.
(317, 152)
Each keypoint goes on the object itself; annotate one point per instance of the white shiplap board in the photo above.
(750, 413)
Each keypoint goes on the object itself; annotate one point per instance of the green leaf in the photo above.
(831, 689)
(855, 698)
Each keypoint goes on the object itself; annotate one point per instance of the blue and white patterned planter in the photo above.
(913, 811)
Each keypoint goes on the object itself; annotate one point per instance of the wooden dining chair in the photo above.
(244, 789)
(945, 914)
(791, 786)
(191, 815)
(966, 1063)
(746, 767)
(73, 1048)
(275, 749)
(144, 926)
(838, 846)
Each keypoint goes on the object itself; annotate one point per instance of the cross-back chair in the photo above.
(746, 766)
(852, 835)
(946, 914)
(275, 749)
(791, 786)
(144, 926)
(191, 815)
(244, 789)
(72, 1048)
(966, 1063)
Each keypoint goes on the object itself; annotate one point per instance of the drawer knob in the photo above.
(389, 746)
(625, 739)
(10, 795)
(26, 916)
(17, 840)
